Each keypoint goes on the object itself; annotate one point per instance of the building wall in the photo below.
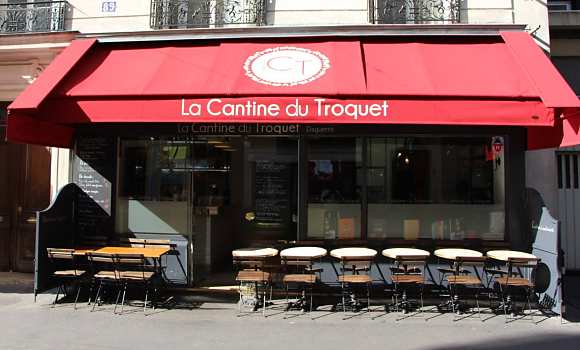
(89, 16)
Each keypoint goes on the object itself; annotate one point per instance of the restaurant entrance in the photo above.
(244, 193)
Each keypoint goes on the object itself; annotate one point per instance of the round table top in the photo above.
(255, 252)
(342, 253)
(453, 253)
(505, 255)
(304, 252)
(394, 253)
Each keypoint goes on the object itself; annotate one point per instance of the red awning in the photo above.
(503, 80)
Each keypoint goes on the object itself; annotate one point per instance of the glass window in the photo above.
(334, 188)
(436, 187)
(153, 186)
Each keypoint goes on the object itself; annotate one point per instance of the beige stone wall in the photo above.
(313, 12)
(133, 15)
(86, 16)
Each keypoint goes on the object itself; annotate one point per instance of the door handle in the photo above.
(250, 216)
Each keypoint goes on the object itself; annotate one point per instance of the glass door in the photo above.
(212, 204)
(270, 191)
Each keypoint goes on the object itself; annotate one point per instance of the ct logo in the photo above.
(286, 66)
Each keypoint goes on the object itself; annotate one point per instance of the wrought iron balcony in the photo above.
(167, 14)
(40, 16)
(416, 11)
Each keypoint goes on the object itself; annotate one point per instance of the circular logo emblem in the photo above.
(286, 66)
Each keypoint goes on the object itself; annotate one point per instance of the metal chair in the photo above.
(132, 269)
(464, 280)
(409, 271)
(300, 271)
(355, 273)
(103, 268)
(71, 275)
(521, 273)
(252, 272)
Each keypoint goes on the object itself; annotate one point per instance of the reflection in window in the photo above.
(153, 187)
(334, 188)
(436, 187)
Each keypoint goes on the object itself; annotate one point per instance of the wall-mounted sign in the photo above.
(252, 129)
(108, 6)
(286, 66)
(284, 109)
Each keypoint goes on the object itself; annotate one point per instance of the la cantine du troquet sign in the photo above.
(283, 109)
(281, 67)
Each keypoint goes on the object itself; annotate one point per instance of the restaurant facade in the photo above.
(342, 138)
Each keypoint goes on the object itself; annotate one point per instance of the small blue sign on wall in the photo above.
(109, 6)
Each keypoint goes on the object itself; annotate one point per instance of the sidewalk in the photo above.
(216, 326)
(29, 325)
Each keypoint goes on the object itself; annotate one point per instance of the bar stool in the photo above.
(301, 261)
(355, 272)
(252, 263)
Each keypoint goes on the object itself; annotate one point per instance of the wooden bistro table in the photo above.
(153, 253)
(395, 253)
(452, 255)
(251, 253)
(505, 255)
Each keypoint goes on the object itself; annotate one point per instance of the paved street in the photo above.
(29, 325)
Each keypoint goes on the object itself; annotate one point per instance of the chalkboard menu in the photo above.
(272, 192)
(94, 169)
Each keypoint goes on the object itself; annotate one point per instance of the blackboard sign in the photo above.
(94, 169)
(272, 192)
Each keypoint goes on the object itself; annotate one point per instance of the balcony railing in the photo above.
(167, 14)
(415, 11)
(23, 17)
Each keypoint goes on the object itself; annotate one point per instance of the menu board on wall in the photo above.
(93, 171)
(272, 192)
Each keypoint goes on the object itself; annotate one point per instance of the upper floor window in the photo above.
(559, 5)
(18, 16)
(416, 12)
(167, 14)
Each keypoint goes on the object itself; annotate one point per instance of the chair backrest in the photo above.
(526, 267)
(60, 253)
(63, 254)
(297, 264)
(158, 243)
(131, 242)
(471, 261)
(135, 263)
(357, 264)
(100, 261)
(412, 263)
(249, 262)
(129, 260)
(106, 258)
